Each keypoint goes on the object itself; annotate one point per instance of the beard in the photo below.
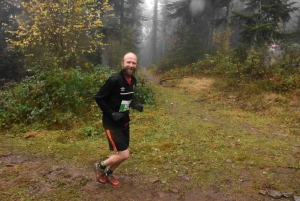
(128, 72)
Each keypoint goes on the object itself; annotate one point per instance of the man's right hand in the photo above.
(117, 116)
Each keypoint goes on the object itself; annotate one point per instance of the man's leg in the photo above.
(116, 159)
(118, 140)
(113, 162)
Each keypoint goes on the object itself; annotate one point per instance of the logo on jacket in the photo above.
(122, 88)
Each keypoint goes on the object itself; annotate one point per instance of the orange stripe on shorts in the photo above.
(111, 140)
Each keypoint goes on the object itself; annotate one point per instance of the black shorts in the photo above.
(118, 138)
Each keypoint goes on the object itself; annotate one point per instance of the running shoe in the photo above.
(100, 174)
(111, 179)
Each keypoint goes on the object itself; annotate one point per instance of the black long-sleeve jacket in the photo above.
(116, 95)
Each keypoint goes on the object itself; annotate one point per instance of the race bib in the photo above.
(124, 105)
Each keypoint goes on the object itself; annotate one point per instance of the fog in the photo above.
(294, 16)
(195, 7)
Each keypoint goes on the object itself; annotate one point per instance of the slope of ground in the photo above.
(193, 145)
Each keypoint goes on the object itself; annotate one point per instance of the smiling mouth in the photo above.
(130, 70)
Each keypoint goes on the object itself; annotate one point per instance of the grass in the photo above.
(214, 142)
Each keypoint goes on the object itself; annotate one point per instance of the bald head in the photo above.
(129, 55)
(129, 64)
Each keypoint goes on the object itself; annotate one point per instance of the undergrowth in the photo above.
(258, 78)
(57, 99)
(260, 67)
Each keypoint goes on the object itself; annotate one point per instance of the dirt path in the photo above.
(37, 177)
(150, 77)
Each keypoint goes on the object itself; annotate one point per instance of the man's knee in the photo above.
(124, 154)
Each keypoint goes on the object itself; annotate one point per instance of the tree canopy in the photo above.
(58, 31)
(263, 21)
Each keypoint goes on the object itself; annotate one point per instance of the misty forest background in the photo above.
(55, 54)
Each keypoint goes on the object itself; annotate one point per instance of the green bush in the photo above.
(89, 131)
(282, 76)
(144, 92)
(53, 97)
(58, 98)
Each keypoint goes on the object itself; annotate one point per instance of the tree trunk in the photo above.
(154, 31)
(121, 26)
(228, 12)
(208, 6)
(164, 27)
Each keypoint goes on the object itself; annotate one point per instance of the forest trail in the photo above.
(40, 177)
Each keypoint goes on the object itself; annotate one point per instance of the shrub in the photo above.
(282, 76)
(144, 92)
(53, 97)
(58, 98)
(89, 131)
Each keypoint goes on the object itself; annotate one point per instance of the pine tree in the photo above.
(124, 31)
(263, 21)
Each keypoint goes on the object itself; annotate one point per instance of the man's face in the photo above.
(129, 64)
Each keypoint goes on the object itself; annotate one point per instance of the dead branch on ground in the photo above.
(199, 100)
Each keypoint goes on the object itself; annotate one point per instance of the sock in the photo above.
(108, 172)
(102, 166)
